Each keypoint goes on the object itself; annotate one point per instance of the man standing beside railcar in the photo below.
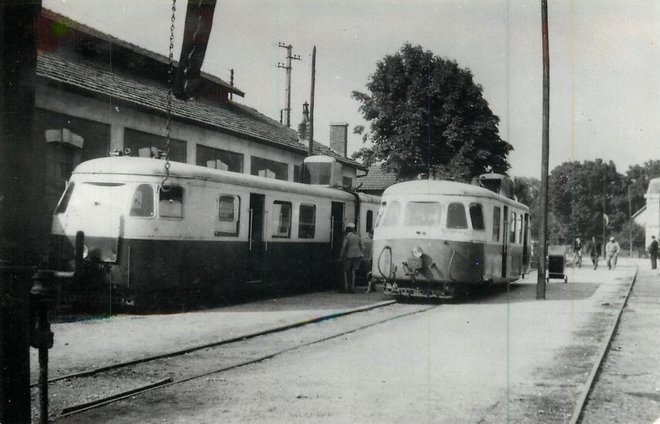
(653, 251)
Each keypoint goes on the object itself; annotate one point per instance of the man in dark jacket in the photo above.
(594, 251)
(653, 251)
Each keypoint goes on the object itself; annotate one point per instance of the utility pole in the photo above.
(287, 66)
(23, 224)
(311, 105)
(545, 152)
(630, 222)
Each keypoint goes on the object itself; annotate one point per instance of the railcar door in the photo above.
(526, 256)
(337, 228)
(505, 240)
(256, 245)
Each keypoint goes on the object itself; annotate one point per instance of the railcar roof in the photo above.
(442, 187)
(127, 165)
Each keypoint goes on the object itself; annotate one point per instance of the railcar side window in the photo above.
(496, 223)
(143, 201)
(64, 202)
(477, 216)
(370, 222)
(424, 214)
(170, 202)
(512, 234)
(388, 214)
(229, 210)
(456, 216)
(281, 219)
(520, 228)
(307, 221)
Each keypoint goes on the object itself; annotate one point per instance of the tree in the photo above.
(427, 115)
(638, 178)
(527, 192)
(586, 199)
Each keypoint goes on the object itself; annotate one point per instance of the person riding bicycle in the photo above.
(577, 251)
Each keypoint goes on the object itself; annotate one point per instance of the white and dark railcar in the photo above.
(433, 238)
(202, 233)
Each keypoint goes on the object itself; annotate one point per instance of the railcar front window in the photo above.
(477, 216)
(422, 214)
(99, 196)
(64, 202)
(143, 201)
(388, 214)
(170, 202)
(456, 216)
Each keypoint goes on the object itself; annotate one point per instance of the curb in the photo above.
(225, 341)
(589, 384)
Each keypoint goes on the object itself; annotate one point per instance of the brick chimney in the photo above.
(339, 137)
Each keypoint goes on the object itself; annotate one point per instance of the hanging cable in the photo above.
(170, 82)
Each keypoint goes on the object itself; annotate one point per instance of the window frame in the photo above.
(306, 225)
(228, 228)
(481, 214)
(161, 200)
(277, 224)
(449, 216)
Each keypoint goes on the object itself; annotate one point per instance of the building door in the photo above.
(256, 245)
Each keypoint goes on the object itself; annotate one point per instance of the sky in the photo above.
(604, 62)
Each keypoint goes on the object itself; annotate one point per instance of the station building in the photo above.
(97, 94)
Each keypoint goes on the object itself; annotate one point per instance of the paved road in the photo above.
(628, 388)
(500, 358)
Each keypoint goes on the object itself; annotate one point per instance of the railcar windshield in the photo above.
(422, 214)
(105, 196)
(388, 214)
(456, 216)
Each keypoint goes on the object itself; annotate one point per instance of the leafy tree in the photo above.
(427, 115)
(638, 177)
(527, 192)
(581, 195)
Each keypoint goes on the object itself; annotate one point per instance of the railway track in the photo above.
(75, 393)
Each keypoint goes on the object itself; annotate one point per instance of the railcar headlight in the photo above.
(417, 252)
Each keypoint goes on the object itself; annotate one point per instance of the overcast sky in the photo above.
(605, 62)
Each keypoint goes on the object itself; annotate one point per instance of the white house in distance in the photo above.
(652, 213)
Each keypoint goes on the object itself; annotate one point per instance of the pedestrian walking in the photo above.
(612, 253)
(653, 251)
(352, 254)
(594, 251)
(577, 252)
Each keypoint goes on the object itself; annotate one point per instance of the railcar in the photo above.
(435, 239)
(152, 239)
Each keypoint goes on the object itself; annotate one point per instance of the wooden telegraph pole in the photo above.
(22, 182)
(545, 150)
(311, 105)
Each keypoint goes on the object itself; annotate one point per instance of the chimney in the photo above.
(303, 127)
(339, 137)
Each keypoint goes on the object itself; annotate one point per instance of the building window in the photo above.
(143, 201)
(219, 159)
(497, 216)
(149, 145)
(297, 174)
(456, 216)
(170, 202)
(307, 222)
(229, 210)
(269, 168)
(281, 219)
(347, 182)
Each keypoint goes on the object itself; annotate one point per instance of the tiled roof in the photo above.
(376, 179)
(229, 117)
